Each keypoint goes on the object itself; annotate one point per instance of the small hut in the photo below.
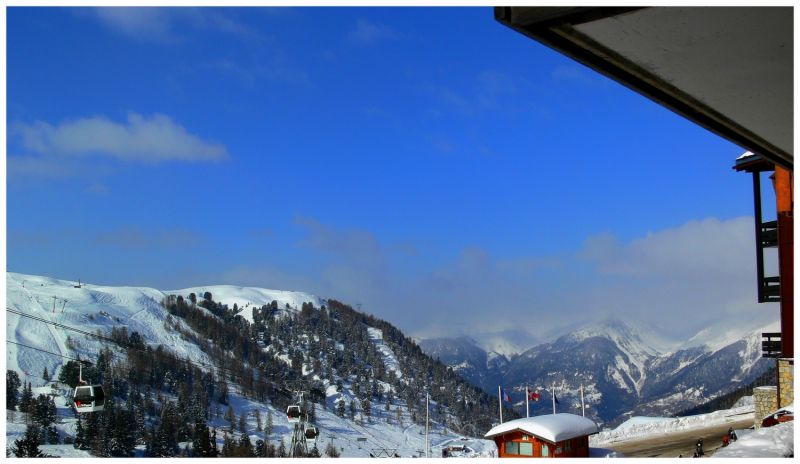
(552, 435)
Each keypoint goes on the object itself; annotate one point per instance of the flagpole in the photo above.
(500, 402)
(554, 398)
(583, 407)
(527, 409)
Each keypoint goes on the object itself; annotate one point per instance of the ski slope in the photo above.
(94, 307)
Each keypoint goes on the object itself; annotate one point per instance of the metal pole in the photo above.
(583, 406)
(427, 399)
(500, 402)
(527, 408)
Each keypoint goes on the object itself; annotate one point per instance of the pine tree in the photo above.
(282, 449)
(230, 416)
(340, 407)
(215, 449)
(259, 426)
(26, 401)
(28, 447)
(46, 375)
(366, 407)
(245, 448)
(201, 445)
(124, 434)
(80, 435)
(269, 424)
(261, 449)
(243, 423)
(12, 389)
(228, 446)
(331, 451)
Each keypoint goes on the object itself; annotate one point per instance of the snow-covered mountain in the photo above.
(392, 371)
(624, 369)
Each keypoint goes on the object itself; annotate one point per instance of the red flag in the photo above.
(533, 396)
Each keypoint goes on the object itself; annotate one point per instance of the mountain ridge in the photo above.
(626, 369)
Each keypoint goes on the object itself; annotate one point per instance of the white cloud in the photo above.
(368, 32)
(680, 279)
(144, 139)
(147, 24)
(162, 24)
(132, 237)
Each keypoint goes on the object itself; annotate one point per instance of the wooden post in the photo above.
(783, 182)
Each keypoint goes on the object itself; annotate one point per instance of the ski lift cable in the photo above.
(81, 361)
(110, 340)
(198, 364)
(48, 352)
(57, 324)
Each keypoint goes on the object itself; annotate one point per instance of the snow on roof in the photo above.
(551, 427)
(781, 411)
(746, 154)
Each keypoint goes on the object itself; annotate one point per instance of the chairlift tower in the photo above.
(299, 443)
(299, 440)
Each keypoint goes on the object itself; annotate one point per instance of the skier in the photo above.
(699, 447)
(725, 441)
(732, 434)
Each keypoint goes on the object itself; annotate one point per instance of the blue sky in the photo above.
(429, 163)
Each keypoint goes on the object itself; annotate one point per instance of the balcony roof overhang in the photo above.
(728, 69)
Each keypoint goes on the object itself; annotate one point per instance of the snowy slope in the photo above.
(93, 308)
(246, 298)
(724, 332)
(89, 308)
(641, 427)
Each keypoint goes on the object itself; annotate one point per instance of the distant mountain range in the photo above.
(625, 370)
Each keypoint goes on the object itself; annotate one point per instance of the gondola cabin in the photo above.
(547, 436)
(293, 413)
(311, 432)
(88, 398)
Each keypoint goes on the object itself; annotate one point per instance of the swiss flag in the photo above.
(533, 396)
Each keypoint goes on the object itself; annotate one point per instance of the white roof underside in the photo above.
(737, 61)
(551, 427)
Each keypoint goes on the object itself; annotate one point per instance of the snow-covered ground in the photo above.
(389, 359)
(766, 442)
(94, 307)
(777, 441)
(642, 427)
(247, 298)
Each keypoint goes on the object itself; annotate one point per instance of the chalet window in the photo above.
(512, 447)
(558, 450)
(545, 450)
(526, 449)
